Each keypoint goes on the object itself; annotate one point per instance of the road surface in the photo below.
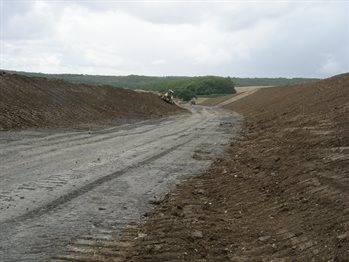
(63, 186)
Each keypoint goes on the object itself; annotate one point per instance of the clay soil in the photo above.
(32, 102)
(281, 194)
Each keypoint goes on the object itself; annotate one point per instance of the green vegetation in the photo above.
(210, 96)
(190, 87)
(130, 81)
(184, 87)
(269, 81)
(137, 81)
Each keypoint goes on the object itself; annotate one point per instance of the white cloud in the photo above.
(31, 22)
(266, 38)
(330, 65)
(159, 62)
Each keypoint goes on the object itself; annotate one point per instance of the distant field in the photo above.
(248, 88)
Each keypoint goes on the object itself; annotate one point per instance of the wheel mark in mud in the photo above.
(51, 183)
(76, 136)
(86, 188)
(106, 139)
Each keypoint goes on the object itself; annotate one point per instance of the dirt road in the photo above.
(62, 185)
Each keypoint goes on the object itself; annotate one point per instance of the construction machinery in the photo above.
(168, 96)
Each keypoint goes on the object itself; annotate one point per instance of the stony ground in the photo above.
(282, 194)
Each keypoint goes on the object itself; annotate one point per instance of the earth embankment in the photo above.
(30, 102)
(281, 194)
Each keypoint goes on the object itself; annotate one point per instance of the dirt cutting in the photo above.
(98, 173)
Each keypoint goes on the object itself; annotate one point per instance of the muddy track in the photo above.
(57, 186)
(86, 188)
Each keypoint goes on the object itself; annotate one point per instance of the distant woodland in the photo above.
(185, 87)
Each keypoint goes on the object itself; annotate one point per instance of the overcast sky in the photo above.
(235, 38)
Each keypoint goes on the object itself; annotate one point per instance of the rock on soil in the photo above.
(282, 194)
(30, 102)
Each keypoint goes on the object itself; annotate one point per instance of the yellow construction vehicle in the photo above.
(168, 96)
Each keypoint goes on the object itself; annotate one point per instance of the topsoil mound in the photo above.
(39, 102)
(329, 96)
(281, 194)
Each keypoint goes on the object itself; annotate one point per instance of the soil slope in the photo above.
(281, 194)
(27, 102)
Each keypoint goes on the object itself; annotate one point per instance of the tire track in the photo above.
(82, 142)
(131, 176)
(86, 188)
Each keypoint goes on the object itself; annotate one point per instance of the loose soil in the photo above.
(282, 192)
(31, 102)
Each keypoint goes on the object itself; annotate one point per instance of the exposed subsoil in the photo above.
(31, 102)
(281, 194)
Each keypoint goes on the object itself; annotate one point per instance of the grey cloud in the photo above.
(22, 20)
(166, 12)
(11, 8)
(270, 38)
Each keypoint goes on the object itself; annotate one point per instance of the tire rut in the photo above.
(103, 202)
(86, 188)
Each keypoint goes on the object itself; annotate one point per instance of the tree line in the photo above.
(185, 87)
(191, 87)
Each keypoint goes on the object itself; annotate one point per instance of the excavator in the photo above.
(168, 97)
